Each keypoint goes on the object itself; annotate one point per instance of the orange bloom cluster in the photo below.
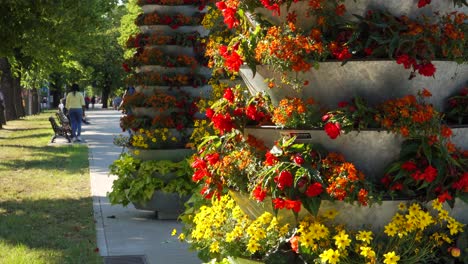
(175, 20)
(168, 79)
(286, 48)
(161, 38)
(343, 179)
(161, 101)
(158, 57)
(293, 112)
(407, 116)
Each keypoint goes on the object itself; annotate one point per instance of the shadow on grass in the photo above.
(67, 159)
(65, 226)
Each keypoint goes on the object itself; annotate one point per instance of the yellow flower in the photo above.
(137, 152)
(367, 252)
(182, 237)
(342, 240)
(402, 207)
(214, 247)
(253, 246)
(425, 219)
(391, 258)
(391, 229)
(174, 232)
(365, 236)
(331, 256)
(437, 205)
(330, 214)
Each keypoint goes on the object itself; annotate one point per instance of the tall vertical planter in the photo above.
(168, 33)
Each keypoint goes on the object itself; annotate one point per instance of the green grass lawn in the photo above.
(46, 213)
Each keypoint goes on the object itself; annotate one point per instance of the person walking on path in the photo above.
(75, 104)
(93, 101)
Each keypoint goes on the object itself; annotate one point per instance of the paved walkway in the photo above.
(124, 231)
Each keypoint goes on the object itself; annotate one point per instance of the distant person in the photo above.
(130, 91)
(93, 101)
(87, 101)
(116, 102)
(75, 104)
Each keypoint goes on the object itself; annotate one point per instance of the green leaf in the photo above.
(312, 204)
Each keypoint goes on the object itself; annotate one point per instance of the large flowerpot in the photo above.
(353, 216)
(182, 29)
(151, 112)
(373, 80)
(202, 91)
(161, 154)
(165, 9)
(235, 260)
(371, 151)
(166, 205)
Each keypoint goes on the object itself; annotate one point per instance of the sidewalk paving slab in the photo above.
(125, 231)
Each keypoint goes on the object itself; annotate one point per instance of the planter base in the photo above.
(167, 206)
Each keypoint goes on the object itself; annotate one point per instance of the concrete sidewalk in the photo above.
(125, 231)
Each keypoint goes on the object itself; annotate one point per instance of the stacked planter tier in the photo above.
(373, 80)
(151, 79)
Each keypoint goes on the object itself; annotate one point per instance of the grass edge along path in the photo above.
(46, 209)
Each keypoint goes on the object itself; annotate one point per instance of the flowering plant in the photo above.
(189, 39)
(297, 113)
(174, 20)
(457, 107)
(410, 117)
(168, 79)
(415, 234)
(159, 138)
(428, 171)
(414, 43)
(154, 56)
(354, 115)
(304, 174)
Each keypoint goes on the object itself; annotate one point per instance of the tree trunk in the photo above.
(105, 93)
(10, 86)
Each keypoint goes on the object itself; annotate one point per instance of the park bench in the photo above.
(63, 119)
(59, 130)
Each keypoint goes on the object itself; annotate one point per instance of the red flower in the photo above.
(298, 159)
(223, 123)
(423, 3)
(209, 113)
(406, 60)
(270, 159)
(343, 104)
(446, 131)
(427, 69)
(397, 186)
(212, 158)
(462, 183)
(409, 166)
(206, 192)
(229, 95)
(259, 194)
(199, 163)
(444, 196)
(333, 129)
(340, 10)
(284, 179)
(126, 67)
(278, 203)
(430, 173)
(295, 205)
(315, 189)
(198, 175)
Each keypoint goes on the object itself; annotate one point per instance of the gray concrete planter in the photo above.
(373, 80)
(202, 91)
(370, 150)
(372, 217)
(165, 205)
